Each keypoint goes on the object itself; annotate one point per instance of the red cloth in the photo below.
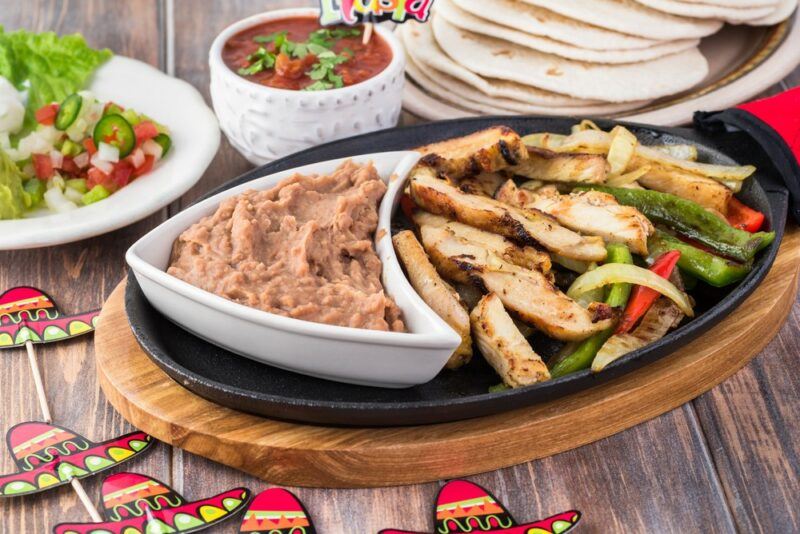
(782, 113)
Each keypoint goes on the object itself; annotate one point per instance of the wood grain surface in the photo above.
(317, 456)
(726, 462)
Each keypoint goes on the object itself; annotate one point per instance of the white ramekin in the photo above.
(264, 123)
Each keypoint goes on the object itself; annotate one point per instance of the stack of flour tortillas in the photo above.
(565, 57)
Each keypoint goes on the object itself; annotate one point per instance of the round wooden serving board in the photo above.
(305, 455)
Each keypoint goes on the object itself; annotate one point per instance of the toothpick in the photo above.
(37, 380)
(86, 501)
(368, 27)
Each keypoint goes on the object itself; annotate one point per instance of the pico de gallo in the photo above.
(83, 150)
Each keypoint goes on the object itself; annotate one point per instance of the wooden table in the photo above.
(727, 461)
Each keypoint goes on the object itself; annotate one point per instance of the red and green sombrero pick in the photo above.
(463, 507)
(276, 511)
(29, 314)
(49, 456)
(138, 504)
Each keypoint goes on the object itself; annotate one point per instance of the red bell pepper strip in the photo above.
(743, 217)
(643, 297)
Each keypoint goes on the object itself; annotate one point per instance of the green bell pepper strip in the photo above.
(581, 358)
(713, 270)
(692, 220)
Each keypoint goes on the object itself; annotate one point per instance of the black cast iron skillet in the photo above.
(246, 385)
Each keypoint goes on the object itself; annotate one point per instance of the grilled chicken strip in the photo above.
(503, 345)
(549, 166)
(436, 293)
(483, 184)
(588, 212)
(526, 227)
(488, 150)
(527, 257)
(705, 191)
(528, 293)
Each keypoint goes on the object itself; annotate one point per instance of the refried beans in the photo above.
(302, 249)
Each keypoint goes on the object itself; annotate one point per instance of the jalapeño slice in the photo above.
(164, 141)
(116, 131)
(68, 111)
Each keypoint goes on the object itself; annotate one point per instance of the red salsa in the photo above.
(297, 53)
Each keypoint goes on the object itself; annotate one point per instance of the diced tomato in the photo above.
(642, 298)
(42, 166)
(146, 167)
(89, 145)
(46, 115)
(97, 177)
(144, 130)
(69, 167)
(743, 217)
(122, 173)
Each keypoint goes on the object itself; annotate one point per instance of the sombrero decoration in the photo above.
(276, 511)
(138, 504)
(50, 456)
(463, 507)
(29, 316)
(773, 123)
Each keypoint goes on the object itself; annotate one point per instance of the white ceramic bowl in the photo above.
(265, 123)
(357, 356)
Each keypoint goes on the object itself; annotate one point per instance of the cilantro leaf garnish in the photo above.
(319, 43)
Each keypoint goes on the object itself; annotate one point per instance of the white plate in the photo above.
(352, 355)
(195, 139)
(743, 61)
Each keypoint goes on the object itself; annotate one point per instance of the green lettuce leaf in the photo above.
(49, 67)
(12, 195)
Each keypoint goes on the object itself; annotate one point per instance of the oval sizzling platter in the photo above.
(245, 385)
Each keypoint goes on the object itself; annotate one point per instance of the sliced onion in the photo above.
(137, 158)
(108, 152)
(56, 201)
(57, 159)
(613, 273)
(621, 150)
(151, 148)
(81, 160)
(106, 166)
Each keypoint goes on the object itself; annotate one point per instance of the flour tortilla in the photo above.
(423, 48)
(465, 96)
(544, 23)
(628, 16)
(466, 21)
(736, 3)
(703, 11)
(611, 83)
(781, 13)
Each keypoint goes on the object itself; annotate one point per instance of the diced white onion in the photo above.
(49, 134)
(81, 160)
(33, 144)
(73, 195)
(77, 130)
(5, 141)
(106, 166)
(56, 201)
(137, 158)
(151, 148)
(108, 152)
(57, 159)
(56, 181)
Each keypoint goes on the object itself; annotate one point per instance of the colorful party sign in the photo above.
(276, 511)
(49, 456)
(358, 11)
(463, 507)
(29, 314)
(138, 504)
